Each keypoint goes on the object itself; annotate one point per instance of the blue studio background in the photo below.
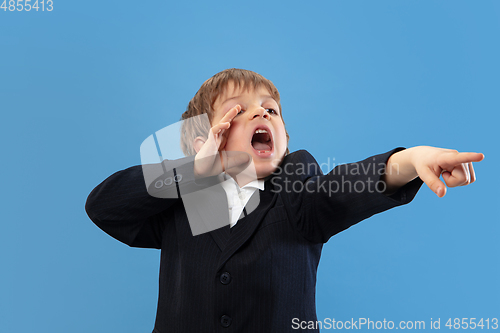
(83, 85)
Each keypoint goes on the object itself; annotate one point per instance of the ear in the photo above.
(198, 143)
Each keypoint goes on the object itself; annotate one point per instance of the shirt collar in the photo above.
(258, 183)
(229, 184)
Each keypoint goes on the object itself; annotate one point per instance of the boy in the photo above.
(257, 272)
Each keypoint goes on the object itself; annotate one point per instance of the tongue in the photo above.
(261, 146)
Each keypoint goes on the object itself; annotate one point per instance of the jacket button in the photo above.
(225, 321)
(225, 278)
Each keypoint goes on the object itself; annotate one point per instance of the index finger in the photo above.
(459, 158)
(228, 117)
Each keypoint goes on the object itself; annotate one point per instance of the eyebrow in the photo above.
(235, 97)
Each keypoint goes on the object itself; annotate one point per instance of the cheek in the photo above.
(282, 138)
(234, 137)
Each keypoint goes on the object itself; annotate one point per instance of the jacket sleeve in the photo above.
(132, 205)
(321, 206)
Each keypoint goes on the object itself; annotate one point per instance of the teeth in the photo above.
(260, 131)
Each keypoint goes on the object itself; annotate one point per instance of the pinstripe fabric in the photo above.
(268, 259)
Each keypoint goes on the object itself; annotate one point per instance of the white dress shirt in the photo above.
(237, 197)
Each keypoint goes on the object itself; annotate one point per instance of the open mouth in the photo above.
(262, 141)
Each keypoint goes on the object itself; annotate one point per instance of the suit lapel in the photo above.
(221, 236)
(207, 212)
(218, 210)
(246, 227)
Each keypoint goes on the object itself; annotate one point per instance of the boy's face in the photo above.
(257, 129)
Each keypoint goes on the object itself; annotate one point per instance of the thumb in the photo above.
(430, 178)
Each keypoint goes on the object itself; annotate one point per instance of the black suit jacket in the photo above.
(261, 274)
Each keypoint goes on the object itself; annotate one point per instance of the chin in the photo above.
(266, 169)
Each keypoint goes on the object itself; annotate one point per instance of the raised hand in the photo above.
(211, 158)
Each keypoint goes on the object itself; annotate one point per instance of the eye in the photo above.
(241, 111)
(272, 111)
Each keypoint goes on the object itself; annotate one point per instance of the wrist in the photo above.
(400, 168)
(414, 154)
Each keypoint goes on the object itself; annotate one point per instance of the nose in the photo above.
(259, 112)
